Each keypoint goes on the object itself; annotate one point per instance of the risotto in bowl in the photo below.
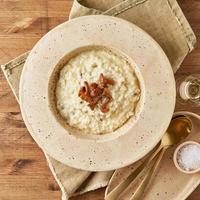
(96, 90)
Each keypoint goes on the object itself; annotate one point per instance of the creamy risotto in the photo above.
(87, 66)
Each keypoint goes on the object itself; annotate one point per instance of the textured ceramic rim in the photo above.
(176, 154)
(107, 154)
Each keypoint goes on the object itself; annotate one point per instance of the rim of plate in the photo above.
(95, 155)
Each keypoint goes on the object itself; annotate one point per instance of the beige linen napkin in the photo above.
(163, 20)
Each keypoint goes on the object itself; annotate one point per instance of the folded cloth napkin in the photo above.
(163, 20)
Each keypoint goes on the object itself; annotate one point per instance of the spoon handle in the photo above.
(145, 181)
(114, 194)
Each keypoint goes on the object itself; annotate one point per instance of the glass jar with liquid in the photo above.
(188, 90)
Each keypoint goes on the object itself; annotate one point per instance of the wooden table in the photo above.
(24, 173)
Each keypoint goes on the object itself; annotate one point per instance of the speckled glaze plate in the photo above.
(134, 139)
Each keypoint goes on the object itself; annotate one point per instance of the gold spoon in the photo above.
(179, 128)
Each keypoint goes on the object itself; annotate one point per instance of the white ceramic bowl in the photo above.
(175, 157)
(128, 143)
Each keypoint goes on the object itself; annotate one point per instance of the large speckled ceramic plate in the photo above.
(128, 143)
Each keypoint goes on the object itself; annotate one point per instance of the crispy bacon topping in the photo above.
(105, 81)
(97, 94)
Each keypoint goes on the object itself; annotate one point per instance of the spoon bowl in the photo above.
(179, 128)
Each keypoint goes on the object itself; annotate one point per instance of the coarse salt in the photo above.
(189, 157)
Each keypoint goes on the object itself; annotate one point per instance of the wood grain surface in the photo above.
(24, 173)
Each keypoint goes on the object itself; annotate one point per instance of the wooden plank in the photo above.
(23, 189)
(37, 28)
